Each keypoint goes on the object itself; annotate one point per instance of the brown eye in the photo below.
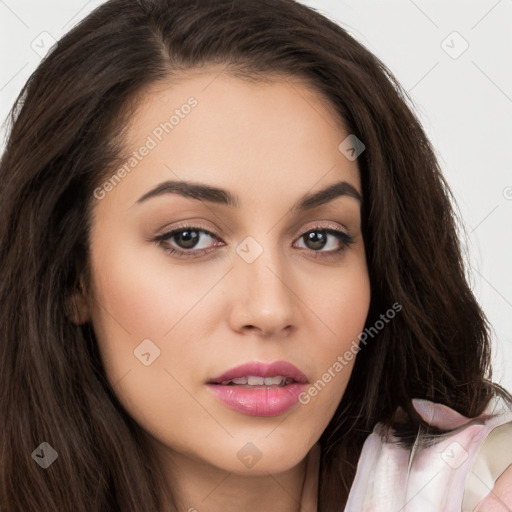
(317, 239)
(186, 239)
(314, 240)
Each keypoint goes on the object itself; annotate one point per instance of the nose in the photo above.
(263, 300)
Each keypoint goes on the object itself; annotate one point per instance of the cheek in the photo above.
(141, 292)
(340, 301)
(132, 292)
(143, 303)
(146, 307)
(341, 305)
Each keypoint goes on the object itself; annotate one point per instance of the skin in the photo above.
(269, 144)
(500, 498)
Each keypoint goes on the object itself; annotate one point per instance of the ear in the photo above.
(78, 306)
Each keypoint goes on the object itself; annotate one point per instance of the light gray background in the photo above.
(463, 98)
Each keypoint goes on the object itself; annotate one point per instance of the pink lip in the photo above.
(261, 400)
(260, 369)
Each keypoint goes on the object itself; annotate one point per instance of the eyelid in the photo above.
(190, 225)
(317, 225)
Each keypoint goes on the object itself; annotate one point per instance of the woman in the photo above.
(231, 277)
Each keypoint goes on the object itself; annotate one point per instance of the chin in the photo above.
(263, 455)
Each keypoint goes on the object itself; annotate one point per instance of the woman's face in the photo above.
(272, 282)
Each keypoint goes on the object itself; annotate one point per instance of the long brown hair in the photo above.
(65, 138)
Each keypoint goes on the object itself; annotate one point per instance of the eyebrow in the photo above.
(221, 196)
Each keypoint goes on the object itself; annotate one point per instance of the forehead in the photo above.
(257, 138)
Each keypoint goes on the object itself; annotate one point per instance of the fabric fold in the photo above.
(438, 476)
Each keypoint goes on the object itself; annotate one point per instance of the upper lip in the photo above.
(260, 369)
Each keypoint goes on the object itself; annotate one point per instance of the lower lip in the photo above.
(260, 401)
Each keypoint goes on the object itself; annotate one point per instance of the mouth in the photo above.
(253, 381)
(259, 389)
(256, 373)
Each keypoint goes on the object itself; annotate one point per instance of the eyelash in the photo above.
(345, 239)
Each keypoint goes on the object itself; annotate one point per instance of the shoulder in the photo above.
(500, 496)
(489, 483)
(437, 475)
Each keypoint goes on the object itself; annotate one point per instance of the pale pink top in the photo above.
(454, 474)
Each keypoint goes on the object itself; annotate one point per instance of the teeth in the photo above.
(259, 381)
(255, 381)
(269, 381)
